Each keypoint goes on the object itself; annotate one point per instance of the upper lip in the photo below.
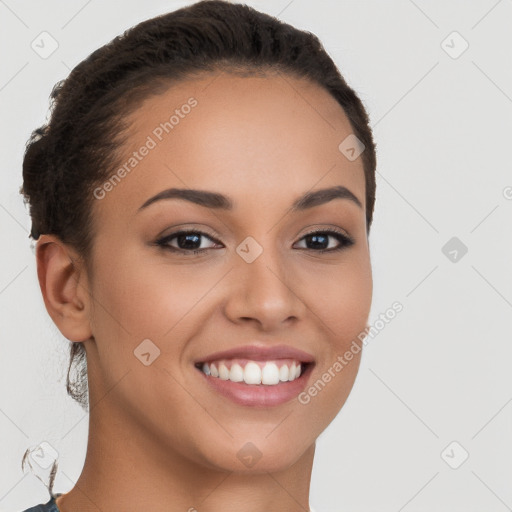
(260, 353)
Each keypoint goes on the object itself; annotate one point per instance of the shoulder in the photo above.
(49, 506)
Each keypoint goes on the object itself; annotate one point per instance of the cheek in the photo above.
(343, 306)
(140, 298)
(342, 298)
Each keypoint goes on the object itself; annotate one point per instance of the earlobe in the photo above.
(64, 288)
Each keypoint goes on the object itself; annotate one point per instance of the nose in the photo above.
(264, 292)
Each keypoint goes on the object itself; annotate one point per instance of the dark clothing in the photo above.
(50, 506)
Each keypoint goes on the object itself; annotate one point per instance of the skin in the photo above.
(159, 438)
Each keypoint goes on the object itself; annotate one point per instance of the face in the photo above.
(264, 266)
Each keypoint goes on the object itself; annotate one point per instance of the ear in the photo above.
(63, 283)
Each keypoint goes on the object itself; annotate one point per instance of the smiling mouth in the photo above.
(253, 372)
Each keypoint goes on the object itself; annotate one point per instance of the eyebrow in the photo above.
(216, 200)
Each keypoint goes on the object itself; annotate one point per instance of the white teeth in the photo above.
(223, 371)
(252, 373)
(268, 374)
(291, 374)
(294, 371)
(236, 374)
(284, 372)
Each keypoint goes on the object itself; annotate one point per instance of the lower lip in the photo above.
(259, 395)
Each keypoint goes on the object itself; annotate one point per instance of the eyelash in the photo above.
(345, 241)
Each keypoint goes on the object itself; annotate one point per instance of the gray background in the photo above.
(440, 371)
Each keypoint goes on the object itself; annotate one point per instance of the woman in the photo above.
(202, 198)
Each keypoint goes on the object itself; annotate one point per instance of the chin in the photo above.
(261, 455)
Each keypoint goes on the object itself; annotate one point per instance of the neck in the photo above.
(127, 468)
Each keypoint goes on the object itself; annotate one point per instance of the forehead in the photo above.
(261, 137)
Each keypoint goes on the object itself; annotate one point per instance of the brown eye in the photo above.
(186, 241)
(319, 240)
